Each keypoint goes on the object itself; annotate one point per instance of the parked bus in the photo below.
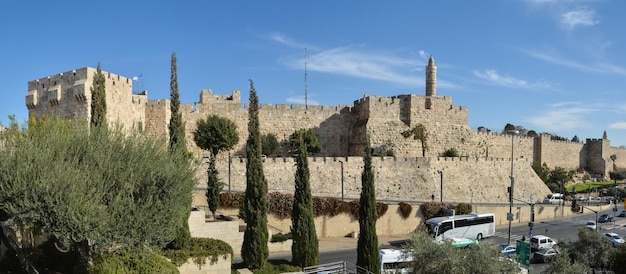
(472, 226)
(394, 261)
(554, 198)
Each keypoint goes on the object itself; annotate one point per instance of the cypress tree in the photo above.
(98, 99)
(176, 144)
(177, 126)
(304, 249)
(367, 248)
(254, 250)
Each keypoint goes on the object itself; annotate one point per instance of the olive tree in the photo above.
(93, 191)
(430, 256)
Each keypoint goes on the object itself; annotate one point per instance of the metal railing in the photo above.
(341, 267)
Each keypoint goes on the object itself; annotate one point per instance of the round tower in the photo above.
(431, 77)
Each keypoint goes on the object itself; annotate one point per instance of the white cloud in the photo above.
(580, 17)
(552, 57)
(618, 125)
(284, 40)
(299, 100)
(562, 119)
(494, 78)
(359, 62)
(423, 54)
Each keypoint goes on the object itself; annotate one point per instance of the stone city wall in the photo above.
(565, 154)
(397, 179)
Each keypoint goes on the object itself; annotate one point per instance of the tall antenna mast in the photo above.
(306, 103)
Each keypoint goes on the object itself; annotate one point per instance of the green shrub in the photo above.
(131, 261)
(451, 152)
(463, 208)
(231, 199)
(405, 209)
(273, 267)
(279, 237)
(433, 209)
(199, 249)
(280, 204)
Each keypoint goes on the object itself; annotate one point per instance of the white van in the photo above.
(554, 198)
(541, 241)
(394, 261)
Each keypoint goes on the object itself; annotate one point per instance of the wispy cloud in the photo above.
(581, 17)
(286, 41)
(299, 100)
(569, 13)
(618, 125)
(567, 116)
(494, 78)
(591, 67)
(360, 62)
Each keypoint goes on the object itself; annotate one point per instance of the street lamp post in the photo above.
(440, 185)
(341, 162)
(596, 216)
(472, 199)
(229, 161)
(510, 215)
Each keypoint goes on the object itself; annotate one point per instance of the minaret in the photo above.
(431, 77)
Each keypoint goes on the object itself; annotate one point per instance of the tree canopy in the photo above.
(308, 136)
(215, 134)
(432, 257)
(93, 190)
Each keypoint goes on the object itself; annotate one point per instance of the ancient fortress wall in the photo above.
(482, 172)
(397, 179)
(620, 160)
(565, 154)
(68, 95)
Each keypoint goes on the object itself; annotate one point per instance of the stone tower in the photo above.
(431, 77)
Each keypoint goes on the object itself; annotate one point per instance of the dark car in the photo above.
(605, 218)
(545, 255)
(622, 214)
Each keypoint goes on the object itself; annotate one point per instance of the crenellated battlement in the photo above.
(344, 131)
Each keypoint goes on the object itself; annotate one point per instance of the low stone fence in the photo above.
(222, 266)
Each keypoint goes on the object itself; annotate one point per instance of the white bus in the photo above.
(394, 261)
(472, 226)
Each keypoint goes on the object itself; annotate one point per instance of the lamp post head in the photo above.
(512, 132)
(440, 171)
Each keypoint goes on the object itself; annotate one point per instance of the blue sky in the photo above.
(555, 66)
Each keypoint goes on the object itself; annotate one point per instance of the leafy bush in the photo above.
(463, 208)
(279, 237)
(451, 152)
(199, 249)
(433, 209)
(272, 267)
(280, 204)
(405, 209)
(381, 209)
(231, 199)
(131, 261)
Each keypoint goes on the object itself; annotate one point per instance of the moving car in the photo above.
(622, 214)
(541, 241)
(545, 255)
(605, 218)
(613, 239)
(591, 225)
(507, 249)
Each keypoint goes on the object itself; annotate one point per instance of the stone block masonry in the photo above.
(344, 131)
